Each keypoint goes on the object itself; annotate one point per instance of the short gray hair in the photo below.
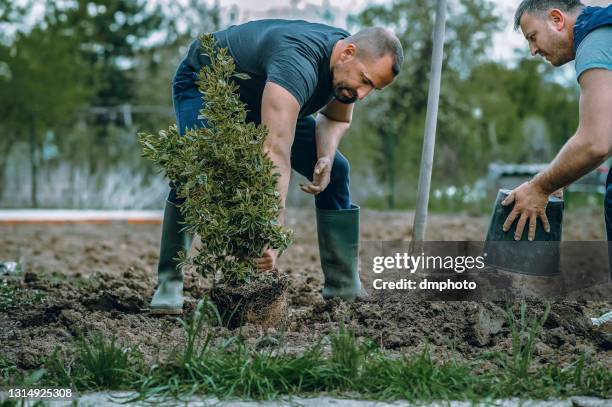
(542, 6)
(378, 42)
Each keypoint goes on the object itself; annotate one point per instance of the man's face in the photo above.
(549, 36)
(354, 77)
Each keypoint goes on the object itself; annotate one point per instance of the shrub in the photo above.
(227, 180)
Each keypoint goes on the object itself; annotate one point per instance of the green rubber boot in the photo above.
(168, 298)
(338, 232)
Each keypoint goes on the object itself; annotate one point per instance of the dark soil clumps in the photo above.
(100, 279)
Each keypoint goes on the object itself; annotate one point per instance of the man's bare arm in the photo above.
(332, 123)
(279, 112)
(592, 143)
(584, 151)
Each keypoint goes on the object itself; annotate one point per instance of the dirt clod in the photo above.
(484, 325)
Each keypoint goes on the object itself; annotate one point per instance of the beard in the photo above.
(341, 88)
(339, 93)
(559, 60)
(560, 52)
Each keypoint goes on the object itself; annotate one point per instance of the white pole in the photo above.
(429, 139)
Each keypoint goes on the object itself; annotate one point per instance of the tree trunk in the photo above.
(5, 146)
(391, 199)
(493, 139)
(33, 167)
(3, 161)
(72, 182)
(390, 146)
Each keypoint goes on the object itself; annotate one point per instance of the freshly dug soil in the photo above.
(261, 301)
(101, 278)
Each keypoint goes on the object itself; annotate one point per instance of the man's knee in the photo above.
(340, 170)
(337, 194)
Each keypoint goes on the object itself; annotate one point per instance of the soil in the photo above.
(101, 277)
(261, 301)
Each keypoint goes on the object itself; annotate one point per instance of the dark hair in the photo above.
(377, 42)
(542, 6)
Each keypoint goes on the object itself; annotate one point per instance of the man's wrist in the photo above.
(540, 183)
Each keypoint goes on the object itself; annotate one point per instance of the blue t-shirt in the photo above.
(294, 54)
(595, 50)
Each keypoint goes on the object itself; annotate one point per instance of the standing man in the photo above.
(561, 31)
(295, 70)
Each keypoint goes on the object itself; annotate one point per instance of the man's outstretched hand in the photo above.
(529, 204)
(320, 177)
(267, 261)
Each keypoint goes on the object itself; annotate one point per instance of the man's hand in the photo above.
(529, 204)
(267, 261)
(320, 177)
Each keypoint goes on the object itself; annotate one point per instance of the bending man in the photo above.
(296, 69)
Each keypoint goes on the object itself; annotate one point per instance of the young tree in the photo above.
(227, 181)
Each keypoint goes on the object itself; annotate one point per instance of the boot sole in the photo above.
(165, 311)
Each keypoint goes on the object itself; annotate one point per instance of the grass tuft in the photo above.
(524, 335)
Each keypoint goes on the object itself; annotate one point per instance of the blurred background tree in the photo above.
(482, 103)
(79, 79)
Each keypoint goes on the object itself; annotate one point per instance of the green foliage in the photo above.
(102, 52)
(8, 371)
(45, 77)
(224, 366)
(421, 378)
(231, 369)
(222, 172)
(391, 124)
(100, 363)
(110, 32)
(194, 327)
(483, 104)
(58, 59)
(105, 362)
(524, 334)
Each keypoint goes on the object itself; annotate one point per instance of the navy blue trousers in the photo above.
(188, 102)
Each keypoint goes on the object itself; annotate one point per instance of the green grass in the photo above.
(349, 367)
(7, 370)
(99, 363)
(525, 331)
(12, 296)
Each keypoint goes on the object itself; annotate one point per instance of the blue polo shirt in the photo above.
(595, 50)
(593, 39)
